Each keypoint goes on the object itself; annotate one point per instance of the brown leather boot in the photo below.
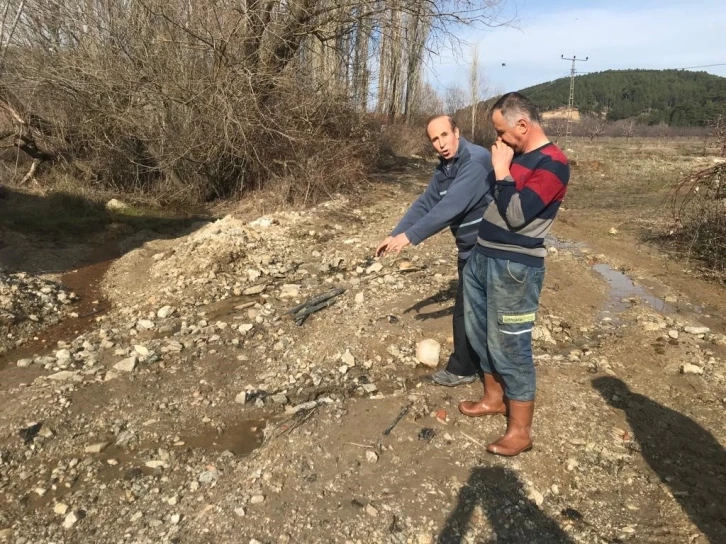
(492, 402)
(519, 424)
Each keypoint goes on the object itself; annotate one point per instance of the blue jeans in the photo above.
(501, 298)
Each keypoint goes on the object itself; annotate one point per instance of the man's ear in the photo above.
(456, 132)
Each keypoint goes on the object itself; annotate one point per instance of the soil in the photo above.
(235, 424)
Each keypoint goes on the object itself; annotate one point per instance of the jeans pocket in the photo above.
(517, 271)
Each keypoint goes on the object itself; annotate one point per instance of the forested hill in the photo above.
(675, 97)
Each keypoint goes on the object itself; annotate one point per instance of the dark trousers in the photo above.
(464, 361)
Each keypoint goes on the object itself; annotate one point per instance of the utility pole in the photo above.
(571, 101)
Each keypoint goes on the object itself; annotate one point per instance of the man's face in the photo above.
(443, 138)
(512, 135)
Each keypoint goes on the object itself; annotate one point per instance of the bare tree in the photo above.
(477, 88)
(717, 130)
(455, 100)
(213, 97)
(629, 130)
(594, 126)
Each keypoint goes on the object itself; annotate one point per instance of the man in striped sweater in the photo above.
(503, 277)
(455, 197)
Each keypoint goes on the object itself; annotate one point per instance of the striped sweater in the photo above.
(525, 205)
(455, 197)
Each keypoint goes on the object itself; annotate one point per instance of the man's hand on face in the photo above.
(502, 156)
(397, 244)
(383, 245)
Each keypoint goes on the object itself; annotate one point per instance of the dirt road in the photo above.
(196, 410)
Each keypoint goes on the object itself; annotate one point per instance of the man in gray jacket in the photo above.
(456, 197)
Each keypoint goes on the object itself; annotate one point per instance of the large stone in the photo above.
(697, 330)
(543, 334)
(254, 290)
(126, 365)
(164, 312)
(97, 448)
(290, 291)
(114, 204)
(428, 352)
(64, 375)
(689, 368)
(375, 267)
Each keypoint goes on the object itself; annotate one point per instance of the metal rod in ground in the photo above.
(303, 315)
(317, 299)
(399, 417)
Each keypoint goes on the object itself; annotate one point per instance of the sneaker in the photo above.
(449, 379)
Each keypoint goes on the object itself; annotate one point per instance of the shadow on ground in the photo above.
(685, 456)
(58, 232)
(446, 294)
(512, 517)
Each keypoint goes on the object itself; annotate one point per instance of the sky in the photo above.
(614, 35)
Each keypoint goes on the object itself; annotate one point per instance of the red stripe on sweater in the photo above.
(544, 183)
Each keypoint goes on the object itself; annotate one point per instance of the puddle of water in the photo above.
(623, 288)
(84, 282)
(240, 438)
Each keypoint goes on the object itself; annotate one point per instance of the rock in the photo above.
(673, 334)
(371, 510)
(70, 520)
(145, 324)
(289, 290)
(536, 496)
(97, 448)
(371, 456)
(254, 290)
(239, 512)
(126, 365)
(164, 312)
(697, 330)
(63, 355)
(175, 519)
(359, 298)
(649, 326)
(6, 535)
(142, 350)
(280, 398)
(114, 205)
(60, 508)
(343, 369)
(245, 328)
(241, 398)
(375, 267)
(25, 363)
(542, 334)
(369, 387)
(571, 464)
(208, 476)
(257, 499)
(689, 368)
(348, 358)
(64, 375)
(428, 352)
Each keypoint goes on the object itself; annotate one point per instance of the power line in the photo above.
(571, 101)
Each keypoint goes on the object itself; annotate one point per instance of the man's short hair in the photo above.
(515, 106)
(454, 126)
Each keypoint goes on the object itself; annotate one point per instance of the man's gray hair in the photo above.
(515, 106)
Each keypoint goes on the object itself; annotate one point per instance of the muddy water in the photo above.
(240, 438)
(624, 291)
(84, 282)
